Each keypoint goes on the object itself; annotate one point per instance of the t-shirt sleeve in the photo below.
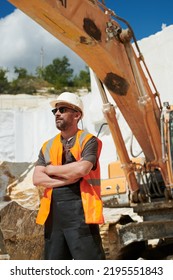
(90, 151)
(41, 160)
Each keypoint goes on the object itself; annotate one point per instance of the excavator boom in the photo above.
(90, 31)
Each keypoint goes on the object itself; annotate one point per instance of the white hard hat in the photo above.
(70, 100)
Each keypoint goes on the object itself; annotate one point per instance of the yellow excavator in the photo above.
(94, 32)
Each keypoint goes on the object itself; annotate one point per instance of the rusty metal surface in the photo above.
(153, 206)
(161, 210)
(116, 84)
(147, 230)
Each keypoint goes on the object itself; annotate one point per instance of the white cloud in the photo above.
(163, 25)
(22, 40)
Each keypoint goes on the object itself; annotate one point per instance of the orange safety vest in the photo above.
(89, 185)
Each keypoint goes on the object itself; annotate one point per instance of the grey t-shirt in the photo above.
(89, 152)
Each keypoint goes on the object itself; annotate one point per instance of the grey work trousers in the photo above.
(67, 236)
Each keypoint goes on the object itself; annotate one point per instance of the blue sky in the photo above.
(145, 16)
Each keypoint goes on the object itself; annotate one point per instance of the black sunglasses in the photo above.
(62, 110)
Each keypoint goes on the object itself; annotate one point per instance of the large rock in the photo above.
(20, 237)
(16, 184)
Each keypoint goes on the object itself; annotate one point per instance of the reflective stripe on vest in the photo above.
(89, 185)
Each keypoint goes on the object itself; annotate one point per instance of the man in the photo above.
(69, 170)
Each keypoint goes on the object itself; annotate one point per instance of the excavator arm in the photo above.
(84, 27)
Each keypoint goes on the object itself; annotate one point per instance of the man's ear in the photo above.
(78, 116)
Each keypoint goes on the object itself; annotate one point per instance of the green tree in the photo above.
(4, 84)
(24, 83)
(82, 80)
(21, 72)
(59, 73)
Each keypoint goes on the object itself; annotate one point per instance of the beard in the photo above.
(62, 125)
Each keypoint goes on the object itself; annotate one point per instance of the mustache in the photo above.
(58, 118)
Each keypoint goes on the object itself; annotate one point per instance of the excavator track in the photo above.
(109, 240)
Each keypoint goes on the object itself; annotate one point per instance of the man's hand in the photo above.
(50, 170)
(70, 171)
(60, 175)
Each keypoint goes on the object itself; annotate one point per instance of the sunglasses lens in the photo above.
(54, 111)
(60, 109)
